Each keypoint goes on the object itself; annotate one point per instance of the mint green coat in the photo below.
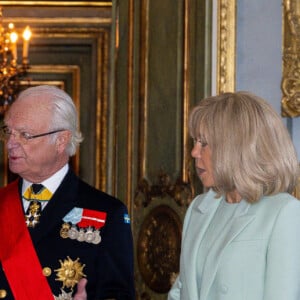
(257, 257)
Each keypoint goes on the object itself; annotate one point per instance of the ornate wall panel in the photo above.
(70, 48)
(291, 59)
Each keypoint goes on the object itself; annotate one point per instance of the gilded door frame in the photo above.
(226, 46)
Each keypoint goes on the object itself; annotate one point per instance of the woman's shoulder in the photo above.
(279, 202)
(282, 199)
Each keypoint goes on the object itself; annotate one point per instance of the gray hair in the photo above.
(64, 112)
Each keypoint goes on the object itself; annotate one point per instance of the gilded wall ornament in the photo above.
(291, 59)
(158, 248)
(226, 40)
(180, 191)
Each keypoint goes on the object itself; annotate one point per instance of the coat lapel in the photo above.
(200, 217)
(236, 225)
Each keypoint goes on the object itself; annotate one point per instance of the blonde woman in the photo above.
(241, 239)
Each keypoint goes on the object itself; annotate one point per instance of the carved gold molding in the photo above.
(159, 248)
(181, 192)
(56, 3)
(290, 84)
(130, 94)
(226, 45)
(60, 20)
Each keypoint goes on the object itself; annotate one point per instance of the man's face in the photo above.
(35, 159)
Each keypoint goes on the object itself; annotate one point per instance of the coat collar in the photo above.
(210, 203)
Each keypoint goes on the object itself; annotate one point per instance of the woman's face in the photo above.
(201, 152)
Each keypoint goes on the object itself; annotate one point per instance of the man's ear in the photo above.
(62, 140)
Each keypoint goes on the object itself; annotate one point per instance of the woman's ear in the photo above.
(62, 140)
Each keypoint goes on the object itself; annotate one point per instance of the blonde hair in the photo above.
(252, 151)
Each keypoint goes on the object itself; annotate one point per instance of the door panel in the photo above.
(162, 60)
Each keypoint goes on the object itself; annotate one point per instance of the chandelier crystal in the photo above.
(10, 71)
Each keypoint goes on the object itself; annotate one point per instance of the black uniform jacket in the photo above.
(107, 265)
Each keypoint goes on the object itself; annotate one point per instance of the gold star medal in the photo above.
(70, 272)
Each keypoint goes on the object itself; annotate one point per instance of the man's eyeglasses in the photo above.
(22, 136)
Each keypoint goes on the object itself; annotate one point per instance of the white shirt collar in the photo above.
(51, 183)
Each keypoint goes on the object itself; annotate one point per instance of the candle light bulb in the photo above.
(26, 36)
(11, 26)
(27, 33)
(13, 39)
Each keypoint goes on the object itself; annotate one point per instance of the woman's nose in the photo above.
(196, 150)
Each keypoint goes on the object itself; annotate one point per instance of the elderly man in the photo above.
(60, 237)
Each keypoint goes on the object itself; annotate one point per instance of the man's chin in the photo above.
(15, 168)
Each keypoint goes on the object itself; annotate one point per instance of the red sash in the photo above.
(17, 254)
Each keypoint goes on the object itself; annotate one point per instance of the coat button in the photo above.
(3, 294)
(47, 271)
(223, 289)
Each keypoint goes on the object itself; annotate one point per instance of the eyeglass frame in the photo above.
(24, 135)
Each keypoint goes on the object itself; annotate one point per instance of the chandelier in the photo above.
(10, 70)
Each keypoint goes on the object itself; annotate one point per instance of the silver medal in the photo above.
(97, 237)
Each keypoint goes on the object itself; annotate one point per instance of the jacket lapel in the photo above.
(198, 221)
(236, 225)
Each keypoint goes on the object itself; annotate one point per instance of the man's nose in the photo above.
(12, 140)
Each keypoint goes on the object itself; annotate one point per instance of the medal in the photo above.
(81, 235)
(89, 235)
(70, 272)
(64, 231)
(97, 238)
(64, 296)
(83, 225)
(73, 233)
(33, 216)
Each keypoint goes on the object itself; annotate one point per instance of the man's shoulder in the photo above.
(90, 195)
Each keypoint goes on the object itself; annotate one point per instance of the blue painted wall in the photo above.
(259, 54)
